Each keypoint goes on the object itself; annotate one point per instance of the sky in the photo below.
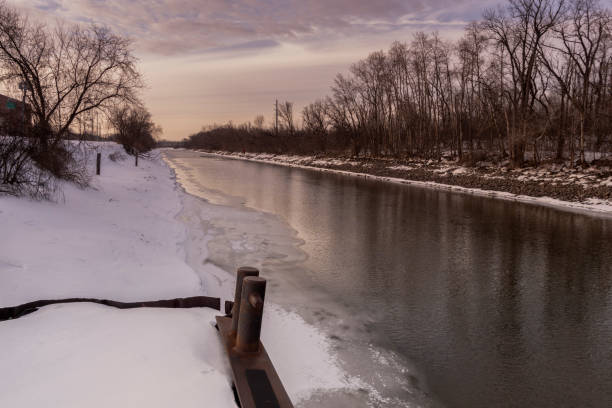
(212, 61)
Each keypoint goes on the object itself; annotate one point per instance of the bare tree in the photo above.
(346, 111)
(314, 117)
(470, 107)
(578, 40)
(285, 112)
(134, 128)
(259, 122)
(18, 175)
(69, 70)
(520, 29)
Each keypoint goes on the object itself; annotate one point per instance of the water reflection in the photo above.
(499, 303)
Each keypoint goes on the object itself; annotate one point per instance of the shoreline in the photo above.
(125, 238)
(597, 207)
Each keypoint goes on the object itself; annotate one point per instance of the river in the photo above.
(463, 301)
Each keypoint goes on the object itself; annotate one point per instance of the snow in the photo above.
(460, 170)
(94, 356)
(320, 368)
(115, 240)
(401, 167)
(126, 238)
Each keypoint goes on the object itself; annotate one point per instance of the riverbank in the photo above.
(123, 238)
(585, 190)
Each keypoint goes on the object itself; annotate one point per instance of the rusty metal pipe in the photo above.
(251, 313)
(243, 272)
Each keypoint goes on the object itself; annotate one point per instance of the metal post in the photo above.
(136, 159)
(98, 159)
(276, 123)
(251, 313)
(242, 273)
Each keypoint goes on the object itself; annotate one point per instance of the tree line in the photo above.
(531, 80)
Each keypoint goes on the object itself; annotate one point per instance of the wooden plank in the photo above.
(257, 383)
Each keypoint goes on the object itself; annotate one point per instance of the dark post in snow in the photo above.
(243, 272)
(136, 159)
(251, 312)
(98, 159)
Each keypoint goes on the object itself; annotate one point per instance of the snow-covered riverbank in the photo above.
(121, 239)
(569, 189)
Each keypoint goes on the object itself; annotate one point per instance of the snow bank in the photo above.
(121, 240)
(94, 356)
(117, 239)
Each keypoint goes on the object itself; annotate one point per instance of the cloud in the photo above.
(171, 27)
(47, 5)
(245, 47)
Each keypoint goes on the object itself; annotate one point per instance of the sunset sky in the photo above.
(213, 61)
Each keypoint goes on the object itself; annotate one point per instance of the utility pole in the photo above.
(276, 122)
(24, 87)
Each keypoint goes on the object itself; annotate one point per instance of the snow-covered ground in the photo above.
(121, 239)
(552, 175)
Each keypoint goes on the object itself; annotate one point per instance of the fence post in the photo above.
(136, 159)
(98, 159)
(251, 312)
(242, 273)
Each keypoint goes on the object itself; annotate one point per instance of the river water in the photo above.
(435, 298)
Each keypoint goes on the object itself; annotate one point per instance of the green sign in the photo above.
(10, 105)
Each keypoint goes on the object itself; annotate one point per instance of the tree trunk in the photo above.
(582, 160)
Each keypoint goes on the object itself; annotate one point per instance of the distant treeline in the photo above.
(246, 138)
(531, 80)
